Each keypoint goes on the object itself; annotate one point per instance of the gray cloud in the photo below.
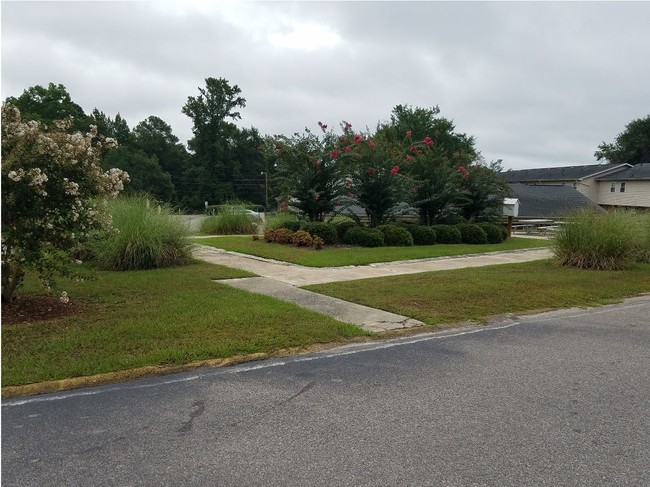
(537, 84)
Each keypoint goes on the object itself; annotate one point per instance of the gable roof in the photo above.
(549, 201)
(567, 173)
(637, 172)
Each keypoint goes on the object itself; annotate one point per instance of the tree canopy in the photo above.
(632, 146)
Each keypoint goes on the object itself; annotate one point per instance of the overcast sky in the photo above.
(537, 84)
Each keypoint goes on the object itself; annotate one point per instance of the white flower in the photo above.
(64, 298)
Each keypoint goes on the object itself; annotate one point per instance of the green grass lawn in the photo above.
(341, 256)
(478, 293)
(158, 317)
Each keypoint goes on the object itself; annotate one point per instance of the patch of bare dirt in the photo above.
(39, 307)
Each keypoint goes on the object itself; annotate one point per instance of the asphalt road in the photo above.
(560, 399)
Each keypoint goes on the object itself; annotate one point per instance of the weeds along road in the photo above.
(561, 398)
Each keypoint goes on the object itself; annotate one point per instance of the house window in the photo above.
(612, 188)
(575, 185)
(622, 187)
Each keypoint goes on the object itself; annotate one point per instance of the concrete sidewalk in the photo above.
(298, 275)
(280, 280)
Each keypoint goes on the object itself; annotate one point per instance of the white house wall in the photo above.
(637, 194)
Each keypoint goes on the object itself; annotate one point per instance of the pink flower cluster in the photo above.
(463, 170)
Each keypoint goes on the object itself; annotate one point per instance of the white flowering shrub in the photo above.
(51, 185)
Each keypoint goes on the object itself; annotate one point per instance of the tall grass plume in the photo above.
(601, 241)
(147, 236)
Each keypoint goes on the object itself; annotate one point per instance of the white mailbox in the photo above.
(510, 207)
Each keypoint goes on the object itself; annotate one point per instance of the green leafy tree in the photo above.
(154, 137)
(485, 190)
(632, 146)
(116, 128)
(51, 180)
(46, 105)
(214, 137)
(146, 174)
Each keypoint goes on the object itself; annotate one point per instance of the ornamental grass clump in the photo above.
(146, 236)
(601, 241)
(230, 221)
(644, 240)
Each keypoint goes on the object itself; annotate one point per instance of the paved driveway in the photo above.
(560, 399)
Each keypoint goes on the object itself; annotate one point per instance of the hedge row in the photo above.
(350, 233)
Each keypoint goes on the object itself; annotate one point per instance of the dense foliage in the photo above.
(632, 146)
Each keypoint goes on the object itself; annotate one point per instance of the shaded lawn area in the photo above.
(478, 293)
(157, 317)
(341, 256)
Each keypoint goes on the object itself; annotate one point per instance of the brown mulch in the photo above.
(38, 307)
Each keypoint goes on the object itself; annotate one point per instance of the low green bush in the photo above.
(282, 220)
(495, 233)
(471, 233)
(326, 231)
(148, 236)
(422, 235)
(364, 237)
(396, 236)
(343, 226)
(644, 240)
(447, 234)
(604, 241)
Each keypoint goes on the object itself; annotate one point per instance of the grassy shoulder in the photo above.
(342, 256)
(478, 293)
(158, 317)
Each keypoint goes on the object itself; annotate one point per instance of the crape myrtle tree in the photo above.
(53, 196)
(306, 170)
(442, 164)
(371, 167)
(632, 146)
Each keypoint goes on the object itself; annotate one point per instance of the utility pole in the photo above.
(266, 189)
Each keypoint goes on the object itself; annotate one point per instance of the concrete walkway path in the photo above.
(280, 280)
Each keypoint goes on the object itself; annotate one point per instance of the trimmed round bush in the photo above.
(396, 236)
(364, 237)
(302, 239)
(447, 234)
(293, 225)
(471, 233)
(282, 220)
(342, 228)
(495, 233)
(326, 231)
(422, 235)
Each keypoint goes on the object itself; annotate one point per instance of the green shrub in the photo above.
(495, 233)
(326, 231)
(364, 237)
(605, 241)
(396, 236)
(282, 220)
(422, 235)
(343, 227)
(148, 236)
(447, 234)
(472, 234)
